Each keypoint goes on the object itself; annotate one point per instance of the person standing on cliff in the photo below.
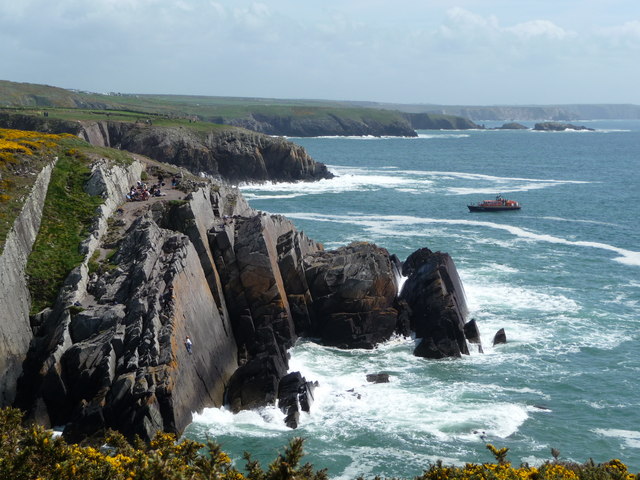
(188, 344)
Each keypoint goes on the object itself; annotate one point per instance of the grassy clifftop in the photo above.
(270, 116)
(68, 211)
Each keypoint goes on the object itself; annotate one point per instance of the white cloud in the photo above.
(423, 51)
(626, 35)
(539, 28)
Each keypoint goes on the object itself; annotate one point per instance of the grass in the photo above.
(67, 216)
(170, 110)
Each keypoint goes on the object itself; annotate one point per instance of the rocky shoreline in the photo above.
(244, 285)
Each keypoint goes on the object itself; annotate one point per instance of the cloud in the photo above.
(424, 51)
(539, 29)
(626, 35)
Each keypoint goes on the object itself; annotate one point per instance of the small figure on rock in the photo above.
(188, 344)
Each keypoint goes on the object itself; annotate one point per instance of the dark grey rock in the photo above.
(558, 127)
(500, 337)
(378, 377)
(437, 303)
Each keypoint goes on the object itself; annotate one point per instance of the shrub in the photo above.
(30, 452)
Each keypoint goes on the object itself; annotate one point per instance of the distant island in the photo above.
(545, 127)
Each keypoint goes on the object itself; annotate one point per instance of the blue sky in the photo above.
(475, 52)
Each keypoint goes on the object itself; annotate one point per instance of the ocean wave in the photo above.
(481, 176)
(390, 224)
(630, 438)
(574, 220)
(516, 297)
(351, 179)
(430, 136)
(261, 422)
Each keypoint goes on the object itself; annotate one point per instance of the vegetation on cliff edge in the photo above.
(68, 214)
(22, 156)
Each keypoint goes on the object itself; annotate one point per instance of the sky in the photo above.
(454, 52)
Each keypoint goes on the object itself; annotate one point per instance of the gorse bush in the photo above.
(20, 142)
(503, 470)
(31, 453)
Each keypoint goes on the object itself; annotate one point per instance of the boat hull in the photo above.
(498, 208)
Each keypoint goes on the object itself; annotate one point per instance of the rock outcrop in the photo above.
(319, 124)
(295, 394)
(109, 354)
(513, 126)
(559, 127)
(436, 299)
(434, 121)
(354, 293)
(500, 337)
(230, 154)
(244, 285)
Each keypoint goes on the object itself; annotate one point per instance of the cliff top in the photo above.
(22, 156)
(207, 108)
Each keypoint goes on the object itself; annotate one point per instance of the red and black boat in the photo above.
(497, 205)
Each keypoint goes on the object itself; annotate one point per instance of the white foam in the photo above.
(259, 422)
(482, 176)
(575, 220)
(430, 136)
(630, 438)
(390, 223)
(517, 298)
(349, 178)
(343, 399)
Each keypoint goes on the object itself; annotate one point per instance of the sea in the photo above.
(561, 276)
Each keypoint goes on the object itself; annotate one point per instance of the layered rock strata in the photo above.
(243, 285)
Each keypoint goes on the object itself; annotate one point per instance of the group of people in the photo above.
(141, 192)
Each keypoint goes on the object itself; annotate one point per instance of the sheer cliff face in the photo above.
(328, 124)
(111, 352)
(15, 300)
(229, 153)
(234, 155)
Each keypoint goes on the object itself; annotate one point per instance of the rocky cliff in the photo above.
(243, 285)
(15, 300)
(434, 121)
(231, 154)
(330, 124)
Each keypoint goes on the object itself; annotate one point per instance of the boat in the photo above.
(499, 204)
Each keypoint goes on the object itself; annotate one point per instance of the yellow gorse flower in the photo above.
(23, 142)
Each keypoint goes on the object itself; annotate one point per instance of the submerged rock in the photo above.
(378, 377)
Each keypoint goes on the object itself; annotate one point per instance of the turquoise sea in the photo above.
(562, 276)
